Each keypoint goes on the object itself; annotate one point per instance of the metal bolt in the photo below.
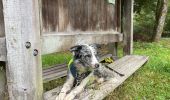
(35, 53)
(27, 45)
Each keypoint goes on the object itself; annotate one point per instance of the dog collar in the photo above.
(78, 77)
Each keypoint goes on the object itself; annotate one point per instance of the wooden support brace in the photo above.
(22, 31)
(63, 41)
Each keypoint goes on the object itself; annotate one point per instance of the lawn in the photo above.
(150, 82)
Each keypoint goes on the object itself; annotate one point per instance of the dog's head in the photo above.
(85, 55)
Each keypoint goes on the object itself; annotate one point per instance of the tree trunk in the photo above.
(160, 16)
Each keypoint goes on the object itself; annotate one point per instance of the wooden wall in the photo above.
(78, 15)
(2, 31)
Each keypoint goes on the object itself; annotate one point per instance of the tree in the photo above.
(160, 16)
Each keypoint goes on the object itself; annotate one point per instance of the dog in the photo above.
(84, 66)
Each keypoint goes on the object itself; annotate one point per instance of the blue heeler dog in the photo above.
(81, 68)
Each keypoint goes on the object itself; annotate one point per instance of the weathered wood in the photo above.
(2, 29)
(127, 27)
(2, 49)
(24, 70)
(126, 65)
(54, 72)
(60, 42)
(72, 15)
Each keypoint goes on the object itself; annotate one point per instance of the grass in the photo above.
(150, 82)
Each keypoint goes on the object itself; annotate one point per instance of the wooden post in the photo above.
(127, 26)
(22, 30)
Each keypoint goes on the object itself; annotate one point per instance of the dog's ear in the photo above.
(75, 48)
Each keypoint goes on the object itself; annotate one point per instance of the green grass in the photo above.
(150, 82)
(56, 58)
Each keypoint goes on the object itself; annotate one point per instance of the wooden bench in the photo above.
(126, 65)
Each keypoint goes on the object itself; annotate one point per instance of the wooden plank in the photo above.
(128, 26)
(126, 65)
(2, 49)
(60, 42)
(24, 70)
(54, 72)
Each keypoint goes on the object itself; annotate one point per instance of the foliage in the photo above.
(151, 82)
(144, 18)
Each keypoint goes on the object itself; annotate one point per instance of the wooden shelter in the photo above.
(31, 28)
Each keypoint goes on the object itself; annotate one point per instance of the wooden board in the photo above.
(52, 42)
(72, 15)
(2, 49)
(54, 72)
(126, 65)
(24, 70)
(63, 41)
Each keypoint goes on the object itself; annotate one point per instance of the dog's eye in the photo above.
(88, 56)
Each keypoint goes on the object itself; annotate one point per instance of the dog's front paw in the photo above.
(61, 96)
(70, 96)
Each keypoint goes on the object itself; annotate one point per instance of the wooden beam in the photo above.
(55, 42)
(126, 65)
(2, 49)
(22, 30)
(127, 26)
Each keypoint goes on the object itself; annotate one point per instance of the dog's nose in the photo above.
(97, 65)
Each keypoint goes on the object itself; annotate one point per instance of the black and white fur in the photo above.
(85, 57)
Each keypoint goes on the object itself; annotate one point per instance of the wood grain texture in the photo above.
(83, 15)
(126, 65)
(24, 70)
(54, 72)
(63, 41)
(2, 49)
(128, 27)
(2, 29)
